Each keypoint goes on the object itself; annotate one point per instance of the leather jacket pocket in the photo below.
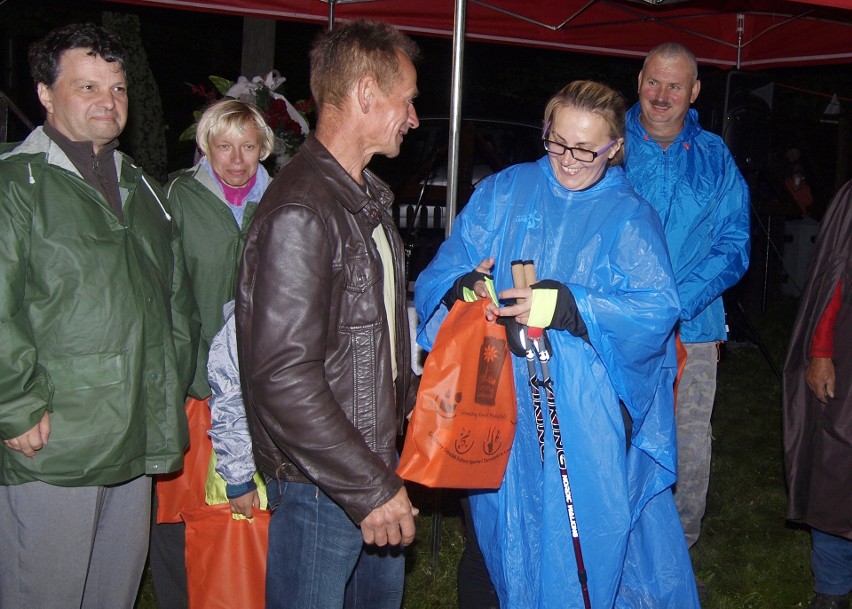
(360, 274)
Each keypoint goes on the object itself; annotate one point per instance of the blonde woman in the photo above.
(585, 515)
(213, 204)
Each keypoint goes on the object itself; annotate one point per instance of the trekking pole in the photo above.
(534, 341)
(520, 281)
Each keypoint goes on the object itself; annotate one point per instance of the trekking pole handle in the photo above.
(518, 277)
(529, 273)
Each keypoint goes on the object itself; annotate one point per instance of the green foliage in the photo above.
(430, 581)
(222, 84)
(188, 134)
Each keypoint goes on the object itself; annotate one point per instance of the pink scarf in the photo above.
(236, 195)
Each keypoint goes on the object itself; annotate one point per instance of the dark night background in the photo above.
(502, 82)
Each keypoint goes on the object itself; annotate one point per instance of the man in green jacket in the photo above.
(98, 332)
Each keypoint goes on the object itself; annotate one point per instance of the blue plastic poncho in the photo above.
(606, 244)
(703, 201)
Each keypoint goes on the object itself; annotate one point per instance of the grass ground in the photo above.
(748, 556)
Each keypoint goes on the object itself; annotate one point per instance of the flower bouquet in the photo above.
(288, 121)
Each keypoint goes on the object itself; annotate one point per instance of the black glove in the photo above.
(468, 280)
(566, 316)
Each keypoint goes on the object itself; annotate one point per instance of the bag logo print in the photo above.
(492, 353)
(464, 442)
(493, 443)
(445, 405)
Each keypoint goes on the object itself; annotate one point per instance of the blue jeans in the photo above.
(317, 558)
(831, 562)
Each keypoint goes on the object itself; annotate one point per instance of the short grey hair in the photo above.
(672, 50)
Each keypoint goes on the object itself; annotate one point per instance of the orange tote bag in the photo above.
(184, 489)
(226, 558)
(464, 419)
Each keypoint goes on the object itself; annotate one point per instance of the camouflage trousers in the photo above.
(696, 393)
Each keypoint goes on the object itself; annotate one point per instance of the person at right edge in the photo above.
(689, 176)
(818, 409)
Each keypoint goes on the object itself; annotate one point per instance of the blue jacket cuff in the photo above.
(232, 491)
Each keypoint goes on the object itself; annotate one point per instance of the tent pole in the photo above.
(331, 4)
(455, 115)
(740, 32)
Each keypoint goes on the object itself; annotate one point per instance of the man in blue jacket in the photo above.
(689, 176)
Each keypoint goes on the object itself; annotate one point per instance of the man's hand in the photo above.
(391, 523)
(33, 440)
(245, 504)
(820, 378)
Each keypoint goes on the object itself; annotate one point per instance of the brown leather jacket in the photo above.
(313, 340)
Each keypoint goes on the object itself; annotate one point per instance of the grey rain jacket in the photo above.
(229, 429)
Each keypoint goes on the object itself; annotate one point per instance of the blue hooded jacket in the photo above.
(606, 244)
(703, 202)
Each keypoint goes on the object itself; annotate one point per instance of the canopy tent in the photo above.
(737, 34)
(747, 34)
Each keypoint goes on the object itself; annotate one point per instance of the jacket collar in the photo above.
(612, 177)
(38, 142)
(345, 190)
(80, 152)
(203, 173)
(691, 126)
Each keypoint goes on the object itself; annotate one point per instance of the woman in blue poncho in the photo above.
(609, 305)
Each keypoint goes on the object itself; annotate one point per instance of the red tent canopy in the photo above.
(749, 34)
(742, 34)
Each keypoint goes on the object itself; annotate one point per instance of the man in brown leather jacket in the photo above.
(323, 336)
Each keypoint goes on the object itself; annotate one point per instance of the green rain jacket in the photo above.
(98, 325)
(212, 246)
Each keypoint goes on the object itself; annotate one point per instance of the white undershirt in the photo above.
(385, 253)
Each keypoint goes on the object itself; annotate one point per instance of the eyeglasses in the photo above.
(580, 154)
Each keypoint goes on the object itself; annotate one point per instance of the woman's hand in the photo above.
(520, 310)
(33, 440)
(245, 504)
(472, 281)
(483, 267)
